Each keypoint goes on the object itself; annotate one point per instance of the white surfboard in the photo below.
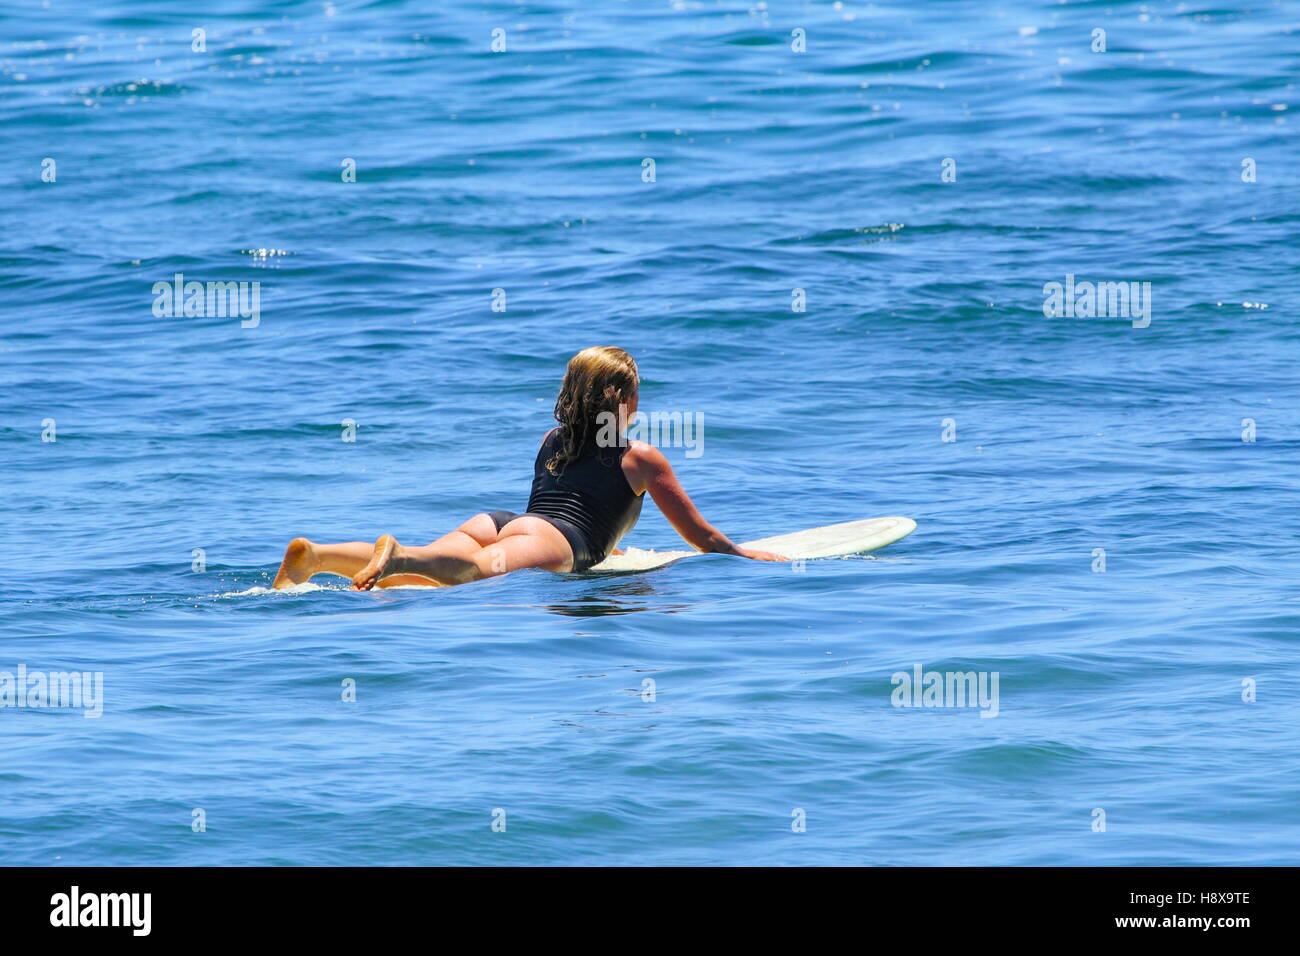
(831, 541)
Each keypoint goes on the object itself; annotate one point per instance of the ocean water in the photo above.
(1112, 528)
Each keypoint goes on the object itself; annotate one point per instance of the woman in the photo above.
(588, 485)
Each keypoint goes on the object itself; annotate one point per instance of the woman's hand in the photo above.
(760, 555)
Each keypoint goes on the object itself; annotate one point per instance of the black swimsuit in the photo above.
(589, 502)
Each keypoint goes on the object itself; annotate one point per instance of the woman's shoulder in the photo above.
(640, 451)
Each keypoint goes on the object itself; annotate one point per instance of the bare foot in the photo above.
(299, 564)
(386, 549)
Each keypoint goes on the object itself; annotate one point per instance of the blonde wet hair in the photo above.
(598, 379)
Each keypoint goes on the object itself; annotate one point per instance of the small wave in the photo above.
(310, 588)
(304, 588)
(266, 253)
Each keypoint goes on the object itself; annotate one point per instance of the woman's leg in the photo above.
(304, 558)
(525, 542)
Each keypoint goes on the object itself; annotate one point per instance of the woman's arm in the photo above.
(648, 470)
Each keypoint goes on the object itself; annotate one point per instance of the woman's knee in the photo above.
(492, 561)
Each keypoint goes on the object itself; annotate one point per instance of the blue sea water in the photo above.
(1113, 529)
